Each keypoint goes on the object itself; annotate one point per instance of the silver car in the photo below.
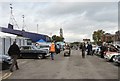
(116, 59)
(5, 61)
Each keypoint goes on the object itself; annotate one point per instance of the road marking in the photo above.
(5, 77)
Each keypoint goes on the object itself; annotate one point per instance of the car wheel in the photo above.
(64, 54)
(44, 55)
(111, 60)
(39, 56)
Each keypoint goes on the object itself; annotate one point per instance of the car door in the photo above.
(34, 50)
(25, 51)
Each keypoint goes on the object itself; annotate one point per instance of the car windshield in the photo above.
(112, 48)
(28, 47)
(118, 47)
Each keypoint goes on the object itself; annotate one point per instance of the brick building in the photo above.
(117, 37)
(114, 38)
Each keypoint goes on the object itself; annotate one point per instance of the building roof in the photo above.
(4, 35)
(33, 36)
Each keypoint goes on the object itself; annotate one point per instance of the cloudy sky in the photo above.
(77, 19)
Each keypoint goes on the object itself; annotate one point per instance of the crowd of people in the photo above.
(88, 47)
(85, 47)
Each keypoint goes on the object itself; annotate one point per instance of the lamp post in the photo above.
(37, 28)
(23, 26)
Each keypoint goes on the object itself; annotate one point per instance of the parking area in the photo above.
(73, 67)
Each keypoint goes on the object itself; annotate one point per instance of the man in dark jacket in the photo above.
(89, 48)
(103, 49)
(83, 47)
(57, 48)
(14, 52)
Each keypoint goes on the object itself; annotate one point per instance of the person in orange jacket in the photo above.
(52, 50)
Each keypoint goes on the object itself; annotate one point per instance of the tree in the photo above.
(53, 37)
(97, 36)
(57, 38)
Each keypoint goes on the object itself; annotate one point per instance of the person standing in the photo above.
(83, 48)
(89, 49)
(14, 52)
(57, 48)
(52, 50)
(69, 50)
(103, 49)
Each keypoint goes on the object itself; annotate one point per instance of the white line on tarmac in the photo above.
(7, 76)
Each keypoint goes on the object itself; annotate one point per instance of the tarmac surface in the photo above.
(73, 67)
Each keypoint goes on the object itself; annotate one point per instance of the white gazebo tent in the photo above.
(5, 41)
(6, 35)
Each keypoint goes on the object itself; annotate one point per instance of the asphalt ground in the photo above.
(73, 67)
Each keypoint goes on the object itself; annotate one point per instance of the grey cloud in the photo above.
(76, 18)
(76, 7)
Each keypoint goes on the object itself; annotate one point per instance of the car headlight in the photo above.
(9, 58)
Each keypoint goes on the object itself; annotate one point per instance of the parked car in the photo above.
(32, 51)
(116, 59)
(96, 49)
(5, 61)
(45, 47)
(67, 51)
(111, 52)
